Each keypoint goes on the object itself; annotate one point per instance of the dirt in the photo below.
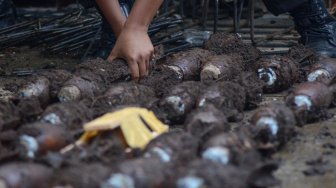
(205, 122)
(173, 159)
(9, 116)
(109, 72)
(229, 97)
(229, 44)
(161, 79)
(305, 57)
(253, 88)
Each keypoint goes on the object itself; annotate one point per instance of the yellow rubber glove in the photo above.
(138, 125)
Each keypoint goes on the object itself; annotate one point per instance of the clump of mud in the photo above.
(177, 147)
(305, 57)
(9, 116)
(229, 97)
(228, 44)
(187, 64)
(279, 73)
(205, 122)
(29, 109)
(161, 79)
(254, 88)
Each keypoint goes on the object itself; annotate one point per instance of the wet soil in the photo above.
(172, 158)
(228, 44)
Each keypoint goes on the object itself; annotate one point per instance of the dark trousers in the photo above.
(281, 6)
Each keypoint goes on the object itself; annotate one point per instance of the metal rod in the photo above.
(251, 21)
(216, 16)
(235, 16)
(205, 12)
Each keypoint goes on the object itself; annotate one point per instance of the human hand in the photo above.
(134, 46)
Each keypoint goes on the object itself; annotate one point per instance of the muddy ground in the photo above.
(308, 160)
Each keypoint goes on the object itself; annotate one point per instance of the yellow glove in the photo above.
(138, 125)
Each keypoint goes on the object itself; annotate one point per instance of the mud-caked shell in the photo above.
(91, 175)
(254, 88)
(139, 172)
(188, 63)
(311, 95)
(310, 101)
(162, 79)
(9, 115)
(29, 109)
(71, 115)
(323, 71)
(221, 67)
(181, 100)
(109, 72)
(79, 87)
(176, 147)
(236, 148)
(125, 94)
(229, 97)
(39, 138)
(279, 73)
(36, 87)
(205, 173)
(274, 123)
(205, 122)
(226, 44)
(56, 78)
(28, 175)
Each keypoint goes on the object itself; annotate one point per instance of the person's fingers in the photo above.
(133, 65)
(112, 57)
(148, 68)
(142, 67)
(149, 61)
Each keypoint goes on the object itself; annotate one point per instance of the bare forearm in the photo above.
(142, 13)
(112, 12)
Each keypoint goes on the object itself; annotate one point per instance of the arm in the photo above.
(134, 44)
(113, 14)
